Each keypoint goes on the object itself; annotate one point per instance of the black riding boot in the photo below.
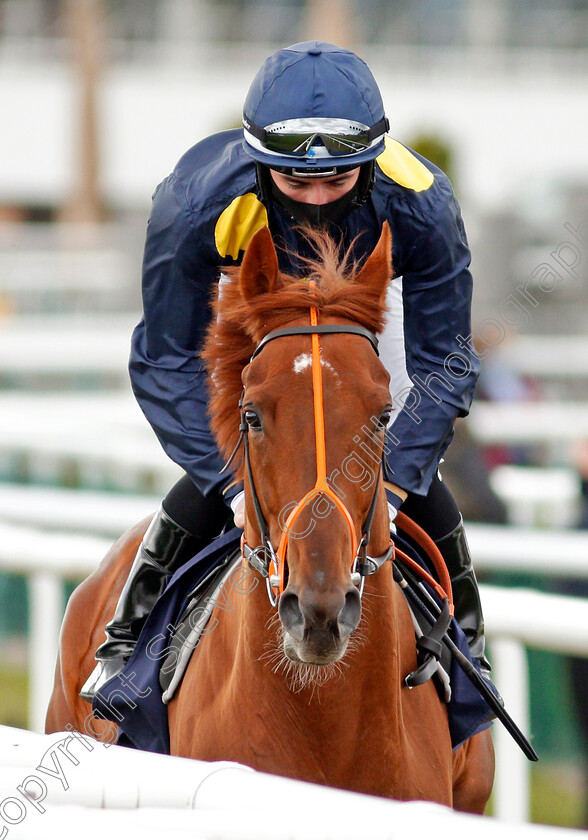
(165, 547)
(466, 595)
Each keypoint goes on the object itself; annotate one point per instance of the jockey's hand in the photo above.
(238, 508)
(395, 496)
(392, 513)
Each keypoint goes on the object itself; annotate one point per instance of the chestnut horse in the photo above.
(314, 689)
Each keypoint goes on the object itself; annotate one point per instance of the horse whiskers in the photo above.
(302, 675)
(305, 675)
(273, 623)
(368, 595)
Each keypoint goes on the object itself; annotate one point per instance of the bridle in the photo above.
(271, 563)
(264, 558)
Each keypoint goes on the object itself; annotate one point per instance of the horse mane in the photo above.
(238, 325)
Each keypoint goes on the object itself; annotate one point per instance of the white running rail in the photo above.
(514, 618)
(58, 785)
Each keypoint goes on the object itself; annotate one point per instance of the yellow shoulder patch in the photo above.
(403, 167)
(237, 224)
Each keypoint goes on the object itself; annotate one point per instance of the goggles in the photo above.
(317, 136)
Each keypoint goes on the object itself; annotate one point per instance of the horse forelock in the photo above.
(238, 325)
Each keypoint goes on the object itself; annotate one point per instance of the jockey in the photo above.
(313, 149)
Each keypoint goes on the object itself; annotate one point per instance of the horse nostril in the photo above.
(290, 615)
(351, 612)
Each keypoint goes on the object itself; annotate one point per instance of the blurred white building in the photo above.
(503, 85)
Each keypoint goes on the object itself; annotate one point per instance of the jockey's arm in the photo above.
(168, 377)
(437, 289)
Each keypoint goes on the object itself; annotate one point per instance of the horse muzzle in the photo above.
(318, 625)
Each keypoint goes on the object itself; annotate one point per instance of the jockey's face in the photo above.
(316, 190)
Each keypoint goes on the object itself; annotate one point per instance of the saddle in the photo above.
(192, 623)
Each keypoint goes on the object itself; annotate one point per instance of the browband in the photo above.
(319, 328)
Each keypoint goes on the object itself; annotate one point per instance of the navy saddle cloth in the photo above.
(133, 699)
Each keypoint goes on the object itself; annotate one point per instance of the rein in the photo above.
(264, 558)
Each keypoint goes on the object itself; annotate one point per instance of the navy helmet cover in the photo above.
(313, 79)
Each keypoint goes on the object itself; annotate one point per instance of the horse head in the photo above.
(314, 405)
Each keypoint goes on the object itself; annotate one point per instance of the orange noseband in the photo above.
(321, 486)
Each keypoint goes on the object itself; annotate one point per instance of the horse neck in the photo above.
(386, 625)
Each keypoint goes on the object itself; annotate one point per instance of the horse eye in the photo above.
(384, 418)
(252, 420)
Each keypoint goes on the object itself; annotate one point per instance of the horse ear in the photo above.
(259, 269)
(377, 269)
